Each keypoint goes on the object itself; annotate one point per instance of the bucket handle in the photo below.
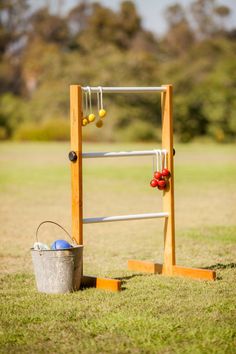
(51, 222)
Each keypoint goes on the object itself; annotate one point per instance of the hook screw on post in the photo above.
(72, 156)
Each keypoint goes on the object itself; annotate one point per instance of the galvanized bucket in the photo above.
(57, 271)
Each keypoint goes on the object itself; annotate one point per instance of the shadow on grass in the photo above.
(218, 266)
(128, 277)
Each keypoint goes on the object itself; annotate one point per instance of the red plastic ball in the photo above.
(161, 188)
(153, 183)
(157, 175)
(165, 172)
(161, 184)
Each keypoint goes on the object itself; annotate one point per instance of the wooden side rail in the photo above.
(101, 283)
(157, 268)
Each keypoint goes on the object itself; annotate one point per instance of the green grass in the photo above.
(153, 314)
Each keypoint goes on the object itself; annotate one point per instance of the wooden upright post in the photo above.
(76, 166)
(168, 195)
(76, 113)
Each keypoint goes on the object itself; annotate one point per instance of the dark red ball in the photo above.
(157, 175)
(161, 184)
(165, 172)
(153, 183)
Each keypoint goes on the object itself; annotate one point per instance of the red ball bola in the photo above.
(157, 175)
(161, 184)
(153, 183)
(165, 173)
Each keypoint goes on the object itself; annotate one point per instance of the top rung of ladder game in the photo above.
(97, 89)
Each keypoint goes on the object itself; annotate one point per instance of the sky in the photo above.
(151, 11)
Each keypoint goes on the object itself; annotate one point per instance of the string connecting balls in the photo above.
(91, 116)
(162, 174)
(85, 120)
(101, 111)
(88, 115)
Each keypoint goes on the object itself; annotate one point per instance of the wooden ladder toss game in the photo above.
(169, 267)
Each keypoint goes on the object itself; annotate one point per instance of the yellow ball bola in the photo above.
(91, 117)
(102, 113)
(84, 122)
(99, 123)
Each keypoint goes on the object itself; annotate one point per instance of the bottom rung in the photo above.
(125, 217)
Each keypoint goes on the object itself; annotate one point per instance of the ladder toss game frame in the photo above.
(169, 267)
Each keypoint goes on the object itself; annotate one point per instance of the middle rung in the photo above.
(89, 155)
(125, 217)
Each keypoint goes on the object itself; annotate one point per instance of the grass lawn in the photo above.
(153, 314)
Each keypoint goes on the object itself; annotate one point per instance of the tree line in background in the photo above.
(42, 53)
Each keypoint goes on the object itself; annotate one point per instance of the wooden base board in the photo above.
(101, 283)
(146, 267)
(205, 274)
(156, 268)
(143, 266)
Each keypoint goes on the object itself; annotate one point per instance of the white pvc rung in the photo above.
(125, 217)
(88, 155)
(96, 89)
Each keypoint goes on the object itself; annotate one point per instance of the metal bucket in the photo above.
(57, 271)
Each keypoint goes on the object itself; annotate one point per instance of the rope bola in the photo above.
(161, 174)
(160, 179)
(88, 115)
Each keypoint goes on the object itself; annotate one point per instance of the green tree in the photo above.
(13, 20)
(12, 113)
(222, 12)
(203, 12)
(49, 28)
(180, 36)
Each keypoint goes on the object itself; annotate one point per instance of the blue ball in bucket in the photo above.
(60, 245)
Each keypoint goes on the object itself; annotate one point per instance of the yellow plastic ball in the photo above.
(99, 123)
(84, 122)
(102, 113)
(91, 117)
